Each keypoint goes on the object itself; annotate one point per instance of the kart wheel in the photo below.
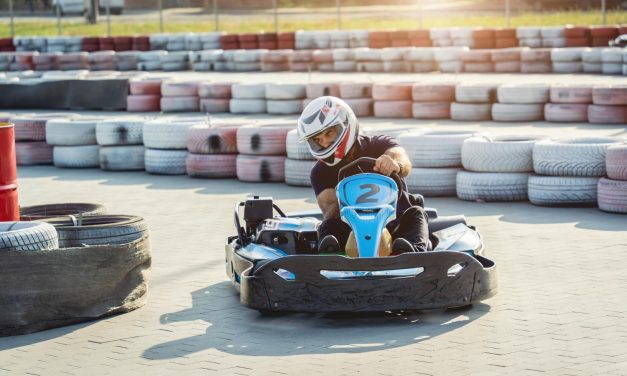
(460, 308)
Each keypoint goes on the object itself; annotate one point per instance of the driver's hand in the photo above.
(385, 165)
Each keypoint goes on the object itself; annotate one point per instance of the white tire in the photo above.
(76, 156)
(179, 89)
(247, 106)
(120, 131)
(27, 236)
(202, 139)
(523, 93)
(562, 190)
(498, 154)
(592, 55)
(517, 112)
(592, 67)
(419, 55)
(297, 149)
(431, 110)
(566, 112)
(571, 157)
(553, 42)
(456, 66)
(344, 66)
(566, 54)
(180, 104)
(248, 91)
(536, 67)
(552, 32)
(424, 66)
(566, 93)
(355, 90)
(284, 107)
(472, 67)
(434, 148)
(612, 195)
(167, 133)
(530, 42)
(297, 172)
(471, 111)
(567, 67)
(507, 66)
(284, 91)
(211, 165)
(248, 56)
(165, 162)
(448, 54)
(71, 132)
(528, 32)
(392, 91)
(434, 92)
(122, 158)
(315, 90)
(616, 162)
(492, 186)
(612, 55)
(260, 168)
(367, 54)
(612, 68)
(476, 93)
(433, 182)
(263, 139)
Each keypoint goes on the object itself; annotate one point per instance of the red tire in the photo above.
(145, 87)
(571, 94)
(485, 67)
(215, 90)
(577, 42)
(536, 54)
(509, 54)
(143, 103)
(569, 112)
(262, 140)
(431, 110)
(33, 153)
(211, 165)
(476, 56)
(206, 140)
(608, 32)
(613, 95)
(612, 195)
(599, 114)
(392, 92)
(505, 43)
(260, 168)
(616, 162)
(434, 92)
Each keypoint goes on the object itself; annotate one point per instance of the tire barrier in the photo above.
(37, 212)
(202, 139)
(315, 90)
(143, 103)
(434, 149)
(297, 149)
(120, 131)
(471, 111)
(476, 93)
(523, 93)
(27, 237)
(562, 190)
(433, 182)
(599, 114)
(211, 165)
(284, 107)
(247, 106)
(33, 153)
(122, 158)
(297, 172)
(87, 156)
(570, 113)
(278, 92)
(616, 162)
(517, 112)
(610, 95)
(248, 91)
(492, 186)
(165, 162)
(71, 132)
(498, 154)
(263, 139)
(612, 195)
(572, 157)
(167, 133)
(260, 168)
(393, 109)
(567, 93)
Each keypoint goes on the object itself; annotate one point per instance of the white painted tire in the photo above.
(220, 166)
(612, 68)
(599, 114)
(211, 105)
(165, 162)
(592, 67)
(424, 54)
(566, 112)
(566, 54)
(476, 93)
(260, 168)
(28, 236)
(536, 67)
(393, 109)
(280, 91)
(297, 149)
(248, 91)
(179, 89)
(167, 133)
(362, 107)
(355, 90)
(122, 158)
(509, 112)
(562, 190)
(433, 182)
(434, 148)
(263, 139)
(202, 139)
(471, 111)
(431, 110)
(33, 153)
(179, 104)
(120, 131)
(498, 154)
(523, 93)
(451, 66)
(71, 132)
(284, 107)
(297, 172)
(616, 162)
(566, 93)
(572, 157)
(612, 195)
(76, 156)
(612, 55)
(613, 95)
(592, 55)
(247, 106)
(315, 90)
(448, 54)
(492, 186)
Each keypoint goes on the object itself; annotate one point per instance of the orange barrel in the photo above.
(9, 209)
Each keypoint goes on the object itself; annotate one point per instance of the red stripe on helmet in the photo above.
(341, 149)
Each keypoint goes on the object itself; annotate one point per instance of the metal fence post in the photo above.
(507, 17)
(11, 14)
(109, 18)
(276, 16)
(160, 16)
(216, 16)
(604, 11)
(338, 7)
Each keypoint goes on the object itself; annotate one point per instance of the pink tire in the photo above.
(599, 114)
(260, 168)
(179, 89)
(393, 109)
(571, 94)
(391, 92)
(355, 90)
(29, 129)
(477, 56)
(211, 165)
(612, 195)
(507, 66)
(33, 153)
(315, 90)
(362, 107)
(179, 104)
(205, 140)
(143, 103)
(566, 112)
(536, 67)
(536, 54)
(262, 140)
(215, 90)
(431, 110)
(613, 95)
(506, 54)
(433, 92)
(275, 67)
(214, 105)
(301, 67)
(145, 87)
(482, 67)
(616, 162)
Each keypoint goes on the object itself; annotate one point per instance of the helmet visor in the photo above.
(326, 139)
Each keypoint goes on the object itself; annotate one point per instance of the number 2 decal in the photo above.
(373, 189)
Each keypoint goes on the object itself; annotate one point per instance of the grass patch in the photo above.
(291, 23)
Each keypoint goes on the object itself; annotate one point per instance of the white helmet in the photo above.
(325, 113)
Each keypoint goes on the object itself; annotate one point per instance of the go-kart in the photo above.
(274, 262)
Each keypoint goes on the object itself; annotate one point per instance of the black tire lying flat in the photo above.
(98, 229)
(27, 236)
(33, 213)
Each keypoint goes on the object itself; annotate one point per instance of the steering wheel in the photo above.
(371, 162)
